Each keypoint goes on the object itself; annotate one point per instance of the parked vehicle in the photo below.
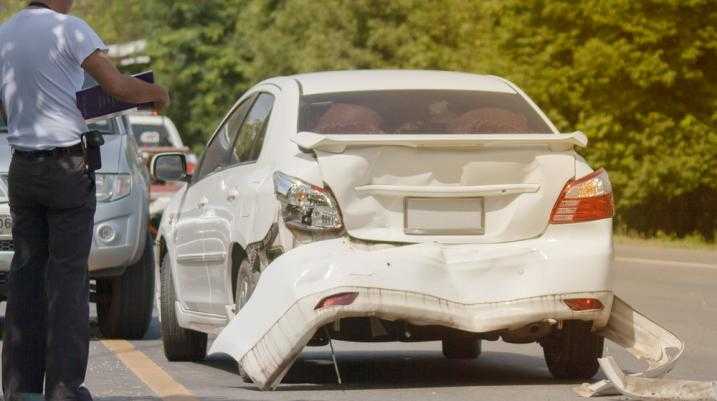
(157, 134)
(121, 259)
(385, 206)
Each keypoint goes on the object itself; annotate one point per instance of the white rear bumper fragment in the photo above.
(648, 342)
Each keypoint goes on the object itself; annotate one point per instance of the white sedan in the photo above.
(386, 206)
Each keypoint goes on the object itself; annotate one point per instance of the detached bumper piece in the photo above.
(648, 342)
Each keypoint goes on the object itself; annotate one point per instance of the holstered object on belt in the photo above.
(92, 141)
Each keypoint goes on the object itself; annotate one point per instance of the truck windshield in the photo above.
(152, 136)
(419, 112)
(106, 126)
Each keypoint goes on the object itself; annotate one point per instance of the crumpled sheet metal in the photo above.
(648, 342)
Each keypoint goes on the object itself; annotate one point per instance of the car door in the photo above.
(234, 196)
(190, 254)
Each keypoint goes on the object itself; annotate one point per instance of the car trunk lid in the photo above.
(483, 188)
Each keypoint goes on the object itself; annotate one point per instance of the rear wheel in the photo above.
(180, 344)
(125, 303)
(573, 352)
(461, 346)
(247, 278)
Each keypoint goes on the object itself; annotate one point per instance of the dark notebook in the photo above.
(94, 102)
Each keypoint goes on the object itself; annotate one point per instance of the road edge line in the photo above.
(673, 263)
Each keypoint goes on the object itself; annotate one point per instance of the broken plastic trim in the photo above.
(646, 341)
(660, 389)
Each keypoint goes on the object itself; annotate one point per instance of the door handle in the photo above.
(232, 195)
(202, 203)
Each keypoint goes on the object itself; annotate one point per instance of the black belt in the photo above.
(57, 152)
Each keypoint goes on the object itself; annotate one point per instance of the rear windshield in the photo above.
(419, 112)
(152, 135)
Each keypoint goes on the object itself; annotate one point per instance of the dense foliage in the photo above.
(638, 77)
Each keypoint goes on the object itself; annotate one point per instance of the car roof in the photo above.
(369, 80)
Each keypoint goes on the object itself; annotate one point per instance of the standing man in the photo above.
(43, 56)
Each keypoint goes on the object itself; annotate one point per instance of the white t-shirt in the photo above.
(41, 56)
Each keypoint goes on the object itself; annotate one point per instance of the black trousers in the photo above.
(46, 336)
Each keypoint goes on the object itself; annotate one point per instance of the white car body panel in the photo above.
(515, 273)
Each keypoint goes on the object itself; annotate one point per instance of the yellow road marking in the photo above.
(149, 372)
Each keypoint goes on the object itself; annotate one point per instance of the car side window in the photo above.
(251, 136)
(219, 151)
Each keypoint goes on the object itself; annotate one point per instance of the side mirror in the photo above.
(169, 167)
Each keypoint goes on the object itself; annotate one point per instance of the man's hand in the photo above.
(122, 87)
(163, 102)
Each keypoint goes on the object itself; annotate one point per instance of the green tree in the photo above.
(115, 21)
(193, 46)
(640, 78)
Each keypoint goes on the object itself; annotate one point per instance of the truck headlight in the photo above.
(306, 207)
(111, 187)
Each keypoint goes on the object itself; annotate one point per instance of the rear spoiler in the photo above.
(338, 143)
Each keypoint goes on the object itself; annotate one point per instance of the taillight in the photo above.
(340, 299)
(583, 304)
(191, 167)
(584, 199)
(305, 206)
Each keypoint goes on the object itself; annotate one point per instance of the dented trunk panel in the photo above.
(518, 187)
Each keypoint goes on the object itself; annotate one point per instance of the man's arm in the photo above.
(122, 87)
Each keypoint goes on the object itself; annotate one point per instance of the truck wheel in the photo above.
(461, 346)
(124, 307)
(573, 352)
(180, 344)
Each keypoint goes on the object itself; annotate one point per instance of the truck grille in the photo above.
(7, 245)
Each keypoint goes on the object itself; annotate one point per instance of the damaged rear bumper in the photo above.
(473, 287)
(270, 358)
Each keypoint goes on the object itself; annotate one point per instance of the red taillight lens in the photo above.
(583, 304)
(191, 167)
(584, 199)
(344, 298)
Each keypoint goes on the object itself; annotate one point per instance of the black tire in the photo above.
(244, 376)
(180, 344)
(461, 346)
(125, 303)
(573, 352)
(247, 277)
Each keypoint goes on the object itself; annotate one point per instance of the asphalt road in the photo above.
(677, 289)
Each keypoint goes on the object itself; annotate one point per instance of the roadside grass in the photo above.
(662, 240)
